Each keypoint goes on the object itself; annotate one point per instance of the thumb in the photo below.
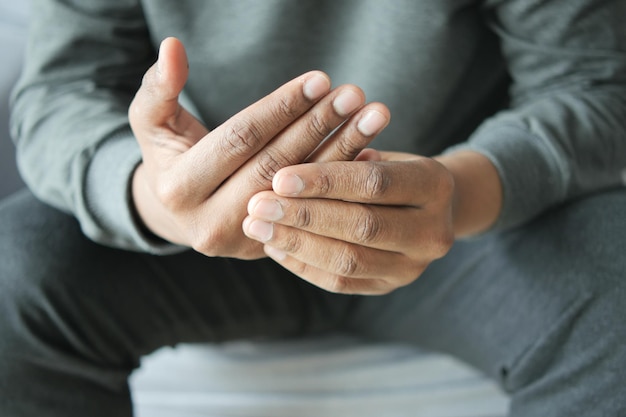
(156, 102)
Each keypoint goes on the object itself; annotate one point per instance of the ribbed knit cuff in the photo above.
(108, 195)
(531, 178)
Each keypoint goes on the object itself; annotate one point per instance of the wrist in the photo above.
(477, 199)
(149, 212)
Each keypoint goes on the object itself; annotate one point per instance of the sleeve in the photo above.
(564, 134)
(84, 62)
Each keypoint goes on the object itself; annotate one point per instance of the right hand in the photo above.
(193, 186)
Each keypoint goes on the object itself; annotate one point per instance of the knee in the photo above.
(593, 231)
(577, 367)
(58, 290)
(575, 255)
(34, 241)
(39, 280)
(583, 241)
(27, 262)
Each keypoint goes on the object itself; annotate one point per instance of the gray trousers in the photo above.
(541, 309)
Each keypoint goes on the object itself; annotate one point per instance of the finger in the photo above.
(372, 182)
(302, 137)
(333, 256)
(397, 156)
(156, 102)
(327, 281)
(369, 154)
(293, 144)
(354, 135)
(227, 148)
(389, 228)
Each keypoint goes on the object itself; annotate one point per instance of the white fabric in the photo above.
(331, 377)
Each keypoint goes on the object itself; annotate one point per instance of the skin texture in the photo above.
(193, 185)
(373, 225)
(345, 219)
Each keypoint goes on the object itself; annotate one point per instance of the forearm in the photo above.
(563, 135)
(70, 113)
(477, 197)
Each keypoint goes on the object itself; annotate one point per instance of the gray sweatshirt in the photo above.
(539, 87)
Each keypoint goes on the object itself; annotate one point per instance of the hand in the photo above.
(367, 226)
(193, 185)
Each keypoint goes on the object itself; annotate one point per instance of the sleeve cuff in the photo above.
(112, 220)
(532, 179)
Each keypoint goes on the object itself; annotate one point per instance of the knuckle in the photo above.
(241, 139)
(442, 244)
(286, 109)
(207, 240)
(292, 243)
(147, 85)
(300, 269)
(347, 263)
(382, 287)
(150, 88)
(338, 284)
(445, 184)
(200, 245)
(318, 126)
(346, 151)
(322, 184)
(442, 186)
(376, 182)
(303, 217)
(267, 166)
(171, 194)
(369, 228)
(413, 270)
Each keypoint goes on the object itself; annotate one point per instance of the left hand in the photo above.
(367, 226)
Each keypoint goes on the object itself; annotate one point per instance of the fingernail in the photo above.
(347, 102)
(316, 86)
(288, 184)
(274, 253)
(371, 123)
(268, 210)
(260, 230)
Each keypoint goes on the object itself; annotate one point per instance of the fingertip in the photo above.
(172, 60)
(170, 42)
(373, 122)
(245, 224)
(316, 84)
(287, 184)
(252, 203)
(348, 101)
(157, 99)
(254, 200)
(381, 108)
(276, 254)
(369, 154)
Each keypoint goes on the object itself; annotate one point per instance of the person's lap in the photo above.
(527, 307)
(540, 309)
(75, 317)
